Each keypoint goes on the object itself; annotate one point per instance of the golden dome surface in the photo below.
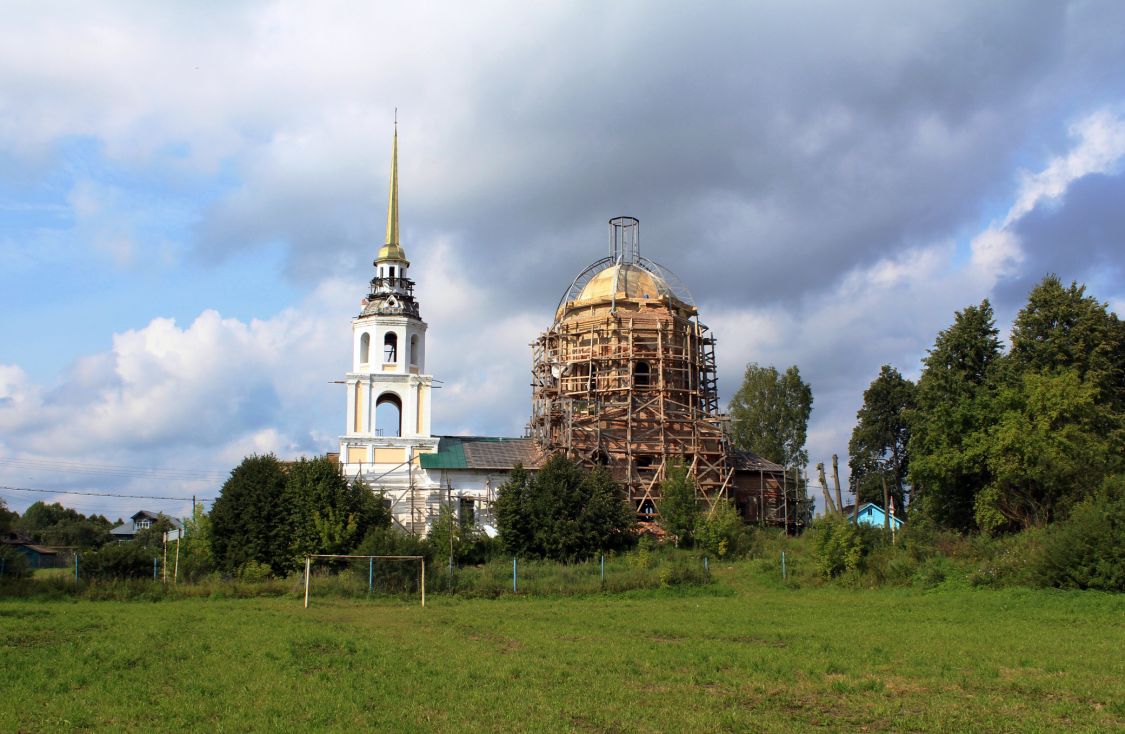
(392, 252)
(623, 281)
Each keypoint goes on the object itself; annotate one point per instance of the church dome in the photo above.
(624, 281)
(624, 276)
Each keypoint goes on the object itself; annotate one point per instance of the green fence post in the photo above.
(515, 588)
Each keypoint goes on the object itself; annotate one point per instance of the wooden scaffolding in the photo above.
(625, 378)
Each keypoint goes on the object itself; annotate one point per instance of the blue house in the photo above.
(872, 514)
(142, 520)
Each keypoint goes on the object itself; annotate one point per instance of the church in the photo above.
(625, 377)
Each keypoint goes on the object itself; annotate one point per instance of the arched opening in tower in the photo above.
(388, 415)
(364, 348)
(414, 349)
(390, 347)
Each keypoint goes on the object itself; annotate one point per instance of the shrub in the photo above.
(720, 530)
(563, 512)
(841, 546)
(1087, 550)
(13, 564)
(254, 571)
(1005, 561)
(678, 505)
(118, 561)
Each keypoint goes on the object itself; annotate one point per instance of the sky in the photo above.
(191, 195)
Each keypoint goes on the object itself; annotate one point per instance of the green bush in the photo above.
(1004, 561)
(13, 564)
(1087, 550)
(118, 561)
(841, 546)
(720, 530)
(254, 571)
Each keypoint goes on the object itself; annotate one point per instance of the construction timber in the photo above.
(626, 378)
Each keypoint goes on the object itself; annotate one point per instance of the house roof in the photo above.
(749, 461)
(483, 453)
(849, 510)
(125, 529)
(41, 549)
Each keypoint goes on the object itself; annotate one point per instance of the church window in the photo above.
(466, 512)
(390, 347)
(641, 375)
(392, 272)
(364, 347)
(388, 415)
(413, 349)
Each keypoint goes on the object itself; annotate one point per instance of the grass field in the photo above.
(744, 654)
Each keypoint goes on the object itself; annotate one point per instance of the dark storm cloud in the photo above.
(766, 150)
(1080, 238)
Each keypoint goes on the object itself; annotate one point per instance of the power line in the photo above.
(76, 467)
(103, 494)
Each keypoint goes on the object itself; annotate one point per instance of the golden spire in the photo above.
(392, 250)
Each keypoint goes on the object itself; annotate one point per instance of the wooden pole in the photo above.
(836, 481)
(308, 563)
(828, 505)
(164, 565)
(785, 498)
(886, 506)
(176, 572)
(761, 497)
(892, 520)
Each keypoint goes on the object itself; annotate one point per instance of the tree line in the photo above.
(992, 440)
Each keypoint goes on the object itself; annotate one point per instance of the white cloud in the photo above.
(996, 253)
(1100, 144)
(800, 194)
(201, 395)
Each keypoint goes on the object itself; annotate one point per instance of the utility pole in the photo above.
(449, 504)
(410, 479)
(886, 506)
(836, 481)
(785, 497)
(828, 505)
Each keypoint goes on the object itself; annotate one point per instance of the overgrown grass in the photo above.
(647, 569)
(744, 653)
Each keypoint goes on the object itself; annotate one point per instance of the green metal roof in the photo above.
(481, 452)
(450, 455)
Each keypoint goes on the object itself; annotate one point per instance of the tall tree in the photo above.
(678, 506)
(879, 446)
(1059, 409)
(1045, 453)
(770, 414)
(53, 524)
(328, 514)
(1063, 328)
(948, 467)
(562, 512)
(249, 521)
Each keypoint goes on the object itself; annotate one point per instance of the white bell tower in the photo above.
(388, 403)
